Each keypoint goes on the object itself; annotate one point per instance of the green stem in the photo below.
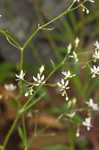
(24, 130)
(52, 21)
(51, 73)
(21, 68)
(31, 37)
(48, 23)
(24, 106)
(10, 132)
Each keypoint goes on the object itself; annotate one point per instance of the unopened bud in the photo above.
(69, 48)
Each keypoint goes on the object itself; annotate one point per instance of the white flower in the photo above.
(26, 94)
(29, 91)
(97, 45)
(87, 123)
(95, 71)
(74, 56)
(39, 79)
(10, 87)
(91, 104)
(96, 54)
(68, 74)
(71, 115)
(20, 76)
(63, 85)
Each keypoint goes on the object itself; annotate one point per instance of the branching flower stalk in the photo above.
(29, 103)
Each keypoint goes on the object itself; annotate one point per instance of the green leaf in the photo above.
(20, 132)
(11, 39)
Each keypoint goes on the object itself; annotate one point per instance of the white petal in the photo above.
(35, 79)
(42, 78)
(38, 76)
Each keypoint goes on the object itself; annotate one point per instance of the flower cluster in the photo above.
(96, 45)
(68, 74)
(63, 84)
(85, 9)
(91, 104)
(10, 87)
(37, 81)
(87, 123)
(20, 76)
(96, 52)
(95, 69)
(29, 91)
(73, 54)
(40, 77)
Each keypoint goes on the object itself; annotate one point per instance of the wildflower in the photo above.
(63, 85)
(96, 54)
(20, 76)
(74, 56)
(39, 79)
(68, 74)
(95, 71)
(96, 45)
(71, 115)
(29, 91)
(87, 123)
(10, 87)
(91, 104)
(26, 94)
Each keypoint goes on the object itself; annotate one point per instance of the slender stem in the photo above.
(51, 73)
(21, 60)
(32, 103)
(24, 130)
(48, 23)
(51, 21)
(31, 37)
(21, 68)
(10, 131)
(22, 109)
